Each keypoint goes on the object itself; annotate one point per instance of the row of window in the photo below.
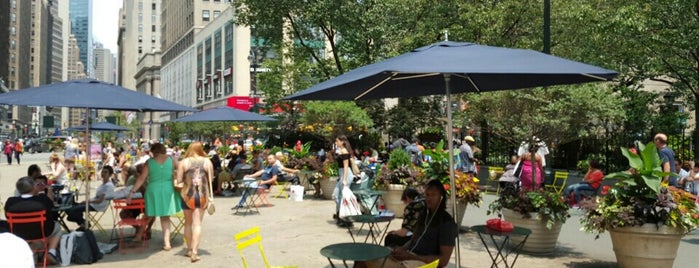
(206, 14)
(140, 28)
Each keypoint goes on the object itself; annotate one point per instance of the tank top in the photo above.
(196, 183)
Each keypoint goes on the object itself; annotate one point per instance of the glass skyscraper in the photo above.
(81, 27)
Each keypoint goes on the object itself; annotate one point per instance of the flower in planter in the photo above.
(639, 198)
(550, 205)
(466, 188)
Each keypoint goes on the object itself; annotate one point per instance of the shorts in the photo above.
(196, 200)
(56, 230)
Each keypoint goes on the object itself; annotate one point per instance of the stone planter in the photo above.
(541, 240)
(327, 186)
(646, 245)
(392, 199)
(460, 211)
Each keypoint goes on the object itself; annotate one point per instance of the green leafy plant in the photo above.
(639, 197)
(550, 205)
(397, 170)
(397, 159)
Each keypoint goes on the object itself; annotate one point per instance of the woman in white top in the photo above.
(58, 170)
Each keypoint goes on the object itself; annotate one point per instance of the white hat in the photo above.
(212, 152)
(469, 138)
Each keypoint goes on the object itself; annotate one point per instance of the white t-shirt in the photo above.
(15, 252)
(108, 190)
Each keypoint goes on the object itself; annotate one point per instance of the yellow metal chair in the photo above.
(433, 264)
(560, 179)
(179, 226)
(94, 218)
(493, 182)
(283, 188)
(251, 237)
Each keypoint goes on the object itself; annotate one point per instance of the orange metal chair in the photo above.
(33, 220)
(141, 221)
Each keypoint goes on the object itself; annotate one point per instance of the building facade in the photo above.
(18, 47)
(148, 82)
(81, 28)
(104, 64)
(139, 33)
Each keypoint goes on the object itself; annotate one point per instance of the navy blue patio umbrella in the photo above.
(101, 126)
(453, 67)
(89, 94)
(223, 114)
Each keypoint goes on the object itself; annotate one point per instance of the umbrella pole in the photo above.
(450, 147)
(88, 169)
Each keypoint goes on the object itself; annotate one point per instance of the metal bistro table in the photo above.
(355, 252)
(252, 196)
(500, 240)
(375, 231)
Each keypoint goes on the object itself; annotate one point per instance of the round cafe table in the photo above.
(354, 252)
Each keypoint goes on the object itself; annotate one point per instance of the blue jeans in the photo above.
(577, 190)
(249, 186)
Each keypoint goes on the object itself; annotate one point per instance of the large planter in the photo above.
(327, 186)
(646, 245)
(460, 210)
(392, 199)
(541, 240)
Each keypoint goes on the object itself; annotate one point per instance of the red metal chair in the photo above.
(141, 221)
(33, 220)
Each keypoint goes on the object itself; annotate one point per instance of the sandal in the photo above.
(188, 254)
(194, 257)
(167, 248)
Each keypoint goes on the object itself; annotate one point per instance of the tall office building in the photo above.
(104, 64)
(139, 33)
(15, 47)
(181, 21)
(39, 46)
(76, 70)
(81, 28)
(55, 40)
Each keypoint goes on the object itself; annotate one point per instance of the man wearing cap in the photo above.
(467, 161)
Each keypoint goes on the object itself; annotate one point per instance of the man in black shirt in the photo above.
(30, 201)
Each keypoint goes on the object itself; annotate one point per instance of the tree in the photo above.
(328, 119)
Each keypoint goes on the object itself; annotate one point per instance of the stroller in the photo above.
(362, 188)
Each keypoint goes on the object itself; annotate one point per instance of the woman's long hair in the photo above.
(195, 149)
(346, 144)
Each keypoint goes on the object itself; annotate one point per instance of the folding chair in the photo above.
(283, 186)
(560, 179)
(493, 182)
(251, 237)
(94, 218)
(28, 231)
(433, 264)
(141, 220)
(260, 199)
(179, 226)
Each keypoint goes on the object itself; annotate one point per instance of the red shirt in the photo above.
(595, 178)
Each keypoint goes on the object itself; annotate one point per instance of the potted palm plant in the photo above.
(645, 218)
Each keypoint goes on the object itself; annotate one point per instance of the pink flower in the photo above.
(605, 189)
(633, 151)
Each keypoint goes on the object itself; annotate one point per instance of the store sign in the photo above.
(241, 102)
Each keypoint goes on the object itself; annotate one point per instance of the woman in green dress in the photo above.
(160, 197)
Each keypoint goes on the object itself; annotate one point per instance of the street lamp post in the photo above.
(255, 57)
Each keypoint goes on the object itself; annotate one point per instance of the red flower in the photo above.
(605, 189)
(446, 187)
(633, 151)
(696, 216)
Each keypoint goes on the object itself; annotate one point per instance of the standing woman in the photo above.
(343, 155)
(71, 154)
(58, 170)
(8, 150)
(160, 198)
(196, 173)
(19, 149)
(529, 183)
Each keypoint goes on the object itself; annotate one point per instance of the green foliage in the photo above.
(397, 159)
(416, 114)
(328, 119)
(560, 114)
(639, 197)
(439, 167)
(549, 204)
(305, 150)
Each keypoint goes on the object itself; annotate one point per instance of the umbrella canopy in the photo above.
(89, 93)
(446, 67)
(472, 68)
(223, 114)
(101, 126)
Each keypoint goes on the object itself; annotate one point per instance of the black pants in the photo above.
(392, 240)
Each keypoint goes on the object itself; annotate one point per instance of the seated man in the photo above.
(415, 206)
(30, 201)
(268, 176)
(434, 238)
(99, 202)
(591, 182)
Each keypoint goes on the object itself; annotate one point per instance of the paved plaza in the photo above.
(294, 232)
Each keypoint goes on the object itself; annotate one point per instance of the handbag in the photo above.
(211, 209)
(349, 205)
(518, 169)
(499, 225)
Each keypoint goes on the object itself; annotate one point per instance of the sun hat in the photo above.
(469, 138)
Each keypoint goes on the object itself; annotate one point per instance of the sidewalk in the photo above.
(294, 232)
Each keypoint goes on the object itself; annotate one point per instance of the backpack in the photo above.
(19, 148)
(84, 247)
